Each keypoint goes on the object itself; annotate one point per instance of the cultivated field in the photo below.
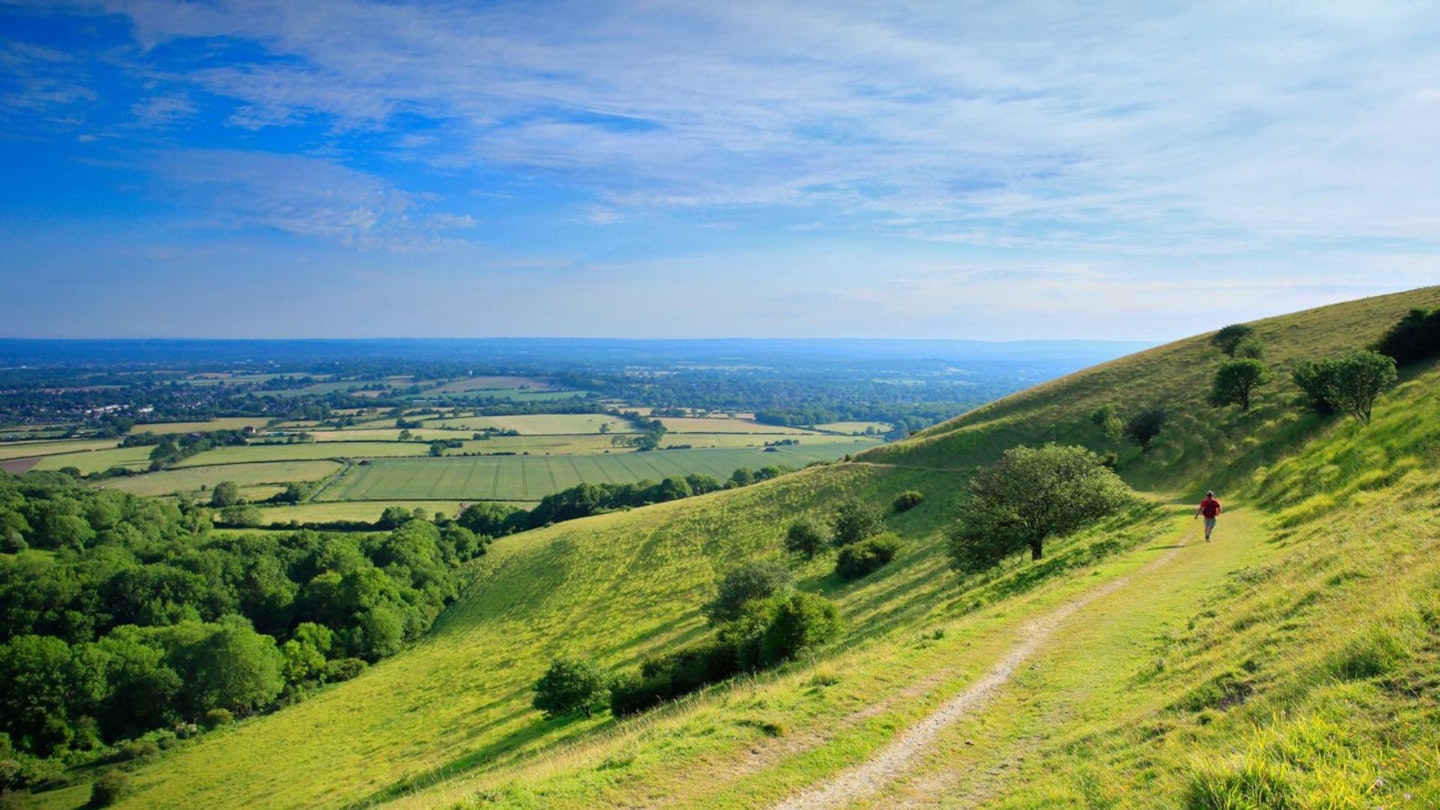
(691, 424)
(303, 451)
(855, 427)
(536, 424)
(94, 461)
(228, 423)
(530, 478)
(50, 448)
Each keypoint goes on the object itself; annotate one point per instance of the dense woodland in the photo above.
(122, 617)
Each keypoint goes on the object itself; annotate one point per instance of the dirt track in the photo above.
(866, 779)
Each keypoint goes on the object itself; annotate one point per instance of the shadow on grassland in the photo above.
(473, 760)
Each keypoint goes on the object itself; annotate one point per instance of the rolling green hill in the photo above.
(1291, 662)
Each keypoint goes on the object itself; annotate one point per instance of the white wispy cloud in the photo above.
(297, 195)
(1285, 121)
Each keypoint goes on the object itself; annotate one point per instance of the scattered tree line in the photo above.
(760, 621)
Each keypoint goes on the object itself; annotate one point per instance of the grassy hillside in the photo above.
(1291, 662)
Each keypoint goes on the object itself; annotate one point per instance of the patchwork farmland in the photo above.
(530, 478)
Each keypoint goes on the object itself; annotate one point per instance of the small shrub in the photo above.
(804, 537)
(136, 749)
(1142, 427)
(867, 556)
(855, 521)
(343, 669)
(219, 717)
(108, 788)
(802, 622)
(750, 582)
(1416, 337)
(907, 500)
(1229, 338)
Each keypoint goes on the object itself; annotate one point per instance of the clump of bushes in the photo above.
(1416, 337)
(867, 556)
(108, 788)
(907, 500)
(855, 521)
(766, 633)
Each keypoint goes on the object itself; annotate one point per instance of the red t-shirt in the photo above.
(1209, 507)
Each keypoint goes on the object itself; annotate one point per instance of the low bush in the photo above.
(108, 788)
(907, 500)
(867, 556)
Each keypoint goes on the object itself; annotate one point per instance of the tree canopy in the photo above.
(1031, 494)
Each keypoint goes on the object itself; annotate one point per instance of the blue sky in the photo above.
(1123, 170)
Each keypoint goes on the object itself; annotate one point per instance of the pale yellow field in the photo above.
(724, 425)
(537, 424)
(754, 439)
(390, 434)
(854, 427)
(228, 423)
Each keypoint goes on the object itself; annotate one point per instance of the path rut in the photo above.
(866, 779)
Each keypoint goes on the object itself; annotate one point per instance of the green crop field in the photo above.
(94, 461)
(530, 478)
(519, 394)
(190, 480)
(28, 449)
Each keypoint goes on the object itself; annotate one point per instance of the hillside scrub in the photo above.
(1416, 337)
(867, 556)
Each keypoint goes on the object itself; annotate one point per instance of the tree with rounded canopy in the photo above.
(1230, 337)
(570, 685)
(1145, 424)
(1236, 380)
(750, 582)
(804, 537)
(1359, 378)
(225, 493)
(1027, 496)
(855, 521)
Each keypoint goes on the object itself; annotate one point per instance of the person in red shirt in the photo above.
(1210, 508)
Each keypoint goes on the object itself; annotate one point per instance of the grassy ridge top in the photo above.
(449, 723)
(1200, 447)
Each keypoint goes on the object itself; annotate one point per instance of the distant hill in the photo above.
(1290, 662)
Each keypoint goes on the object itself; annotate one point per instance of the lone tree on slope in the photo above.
(1228, 338)
(1142, 427)
(1236, 381)
(1028, 495)
(570, 685)
(1359, 378)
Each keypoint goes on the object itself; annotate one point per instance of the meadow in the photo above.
(193, 481)
(530, 478)
(1288, 663)
(223, 423)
